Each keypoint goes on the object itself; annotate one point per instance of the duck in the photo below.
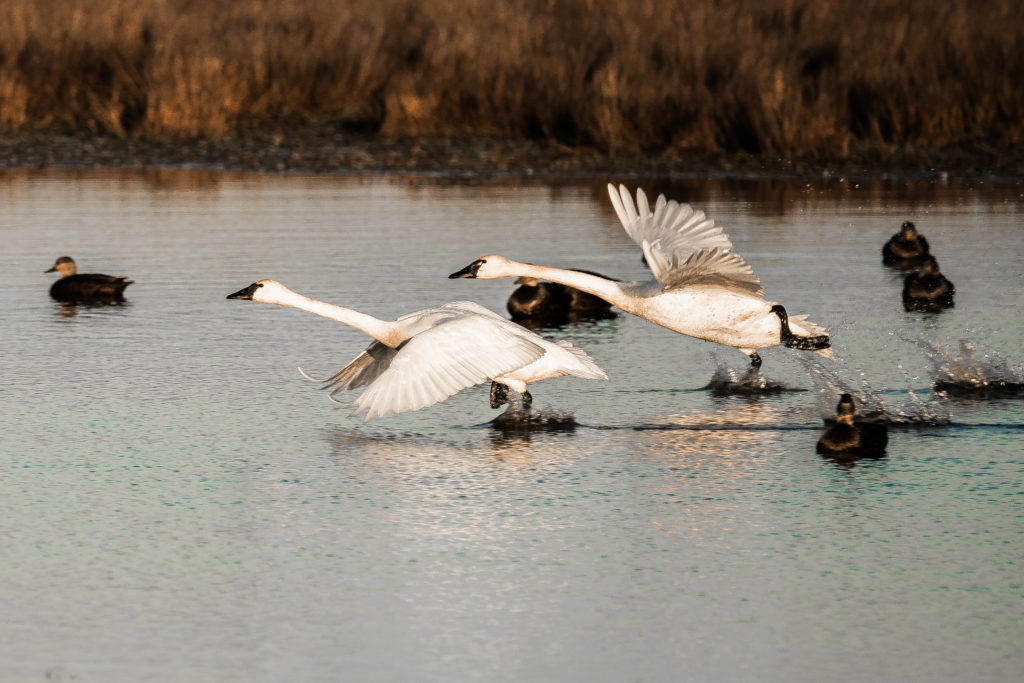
(536, 300)
(426, 356)
(850, 437)
(928, 290)
(85, 287)
(700, 287)
(906, 249)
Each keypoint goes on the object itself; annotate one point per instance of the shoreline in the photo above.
(483, 158)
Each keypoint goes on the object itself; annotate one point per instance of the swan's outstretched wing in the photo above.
(669, 234)
(713, 267)
(458, 352)
(365, 368)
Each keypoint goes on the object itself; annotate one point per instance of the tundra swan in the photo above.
(85, 287)
(849, 437)
(906, 249)
(700, 288)
(928, 289)
(426, 356)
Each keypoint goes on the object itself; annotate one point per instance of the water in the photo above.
(178, 503)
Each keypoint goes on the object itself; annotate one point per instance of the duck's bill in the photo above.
(51, 269)
(244, 293)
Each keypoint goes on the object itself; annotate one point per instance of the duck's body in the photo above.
(426, 356)
(928, 290)
(534, 300)
(551, 302)
(906, 249)
(700, 288)
(85, 287)
(847, 437)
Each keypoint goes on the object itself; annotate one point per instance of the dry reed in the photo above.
(786, 78)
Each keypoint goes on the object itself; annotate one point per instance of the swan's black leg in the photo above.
(794, 342)
(527, 399)
(755, 360)
(499, 394)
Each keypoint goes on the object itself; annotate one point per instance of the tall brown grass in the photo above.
(803, 78)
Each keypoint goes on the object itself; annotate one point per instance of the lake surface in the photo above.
(178, 503)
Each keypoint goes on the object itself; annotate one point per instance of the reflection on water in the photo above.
(525, 420)
(65, 309)
(172, 485)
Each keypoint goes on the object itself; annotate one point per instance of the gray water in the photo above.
(178, 503)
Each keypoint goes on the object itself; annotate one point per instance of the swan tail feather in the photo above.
(586, 367)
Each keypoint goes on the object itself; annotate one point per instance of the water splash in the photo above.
(729, 382)
(905, 409)
(962, 373)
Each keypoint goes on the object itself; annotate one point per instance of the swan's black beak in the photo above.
(468, 271)
(245, 293)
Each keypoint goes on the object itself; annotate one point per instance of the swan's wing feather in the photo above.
(459, 352)
(672, 227)
(713, 267)
(363, 369)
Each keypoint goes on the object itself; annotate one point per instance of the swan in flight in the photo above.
(425, 357)
(700, 287)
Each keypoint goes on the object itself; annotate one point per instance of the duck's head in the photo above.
(485, 268)
(930, 267)
(845, 409)
(527, 281)
(263, 291)
(65, 265)
(908, 231)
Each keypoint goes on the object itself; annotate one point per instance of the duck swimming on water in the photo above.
(85, 287)
(906, 249)
(700, 287)
(426, 356)
(927, 290)
(852, 438)
(550, 302)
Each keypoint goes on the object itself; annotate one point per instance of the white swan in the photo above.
(425, 357)
(700, 288)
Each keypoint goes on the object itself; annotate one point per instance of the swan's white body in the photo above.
(425, 357)
(700, 287)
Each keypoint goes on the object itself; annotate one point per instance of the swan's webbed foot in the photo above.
(755, 361)
(499, 394)
(527, 399)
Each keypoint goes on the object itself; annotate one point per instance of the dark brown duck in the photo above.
(928, 289)
(538, 300)
(847, 437)
(906, 249)
(85, 287)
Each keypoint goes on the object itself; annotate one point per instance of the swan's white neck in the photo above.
(382, 331)
(609, 290)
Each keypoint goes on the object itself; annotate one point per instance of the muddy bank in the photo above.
(481, 158)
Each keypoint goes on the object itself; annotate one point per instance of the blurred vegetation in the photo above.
(826, 79)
